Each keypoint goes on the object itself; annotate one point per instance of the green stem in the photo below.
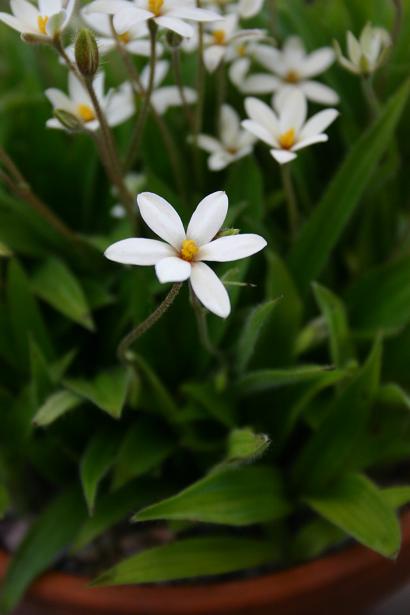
(398, 18)
(220, 88)
(291, 202)
(146, 324)
(176, 65)
(139, 127)
(370, 95)
(272, 15)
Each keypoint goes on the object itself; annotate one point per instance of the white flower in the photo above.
(223, 39)
(44, 22)
(135, 40)
(233, 142)
(166, 96)
(181, 255)
(168, 14)
(366, 54)
(287, 132)
(243, 54)
(244, 8)
(118, 105)
(293, 69)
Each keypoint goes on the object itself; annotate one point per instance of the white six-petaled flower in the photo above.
(367, 53)
(44, 22)
(287, 131)
(169, 14)
(181, 254)
(292, 69)
(233, 144)
(117, 105)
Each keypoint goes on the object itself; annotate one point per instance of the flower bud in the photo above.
(174, 40)
(68, 120)
(86, 53)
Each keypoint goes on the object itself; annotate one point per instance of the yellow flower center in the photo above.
(292, 76)
(189, 250)
(42, 23)
(124, 38)
(232, 150)
(155, 6)
(287, 139)
(85, 112)
(219, 37)
(241, 50)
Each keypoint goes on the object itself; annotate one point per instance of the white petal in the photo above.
(269, 58)
(260, 83)
(319, 93)
(354, 49)
(293, 111)
(238, 71)
(318, 123)
(138, 251)
(193, 13)
(210, 290)
(109, 7)
(310, 141)
(56, 23)
(229, 126)
(59, 100)
(170, 96)
(282, 156)
(172, 269)
(25, 12)
(209, 144)
(294, 50)
(130, 17)
(249, 8)
(262, 114)
(162, 218)
(259, 131)
(14, 23)
(213, 56)
(219, 160)
(76, 90)
(176, 25)
(54, 123)
(120, 106)
(49, 7)
(208, 218)
(317, 62)
(231, 248)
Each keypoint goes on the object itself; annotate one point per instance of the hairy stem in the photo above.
(139, 127)
(146, 324)
(176, 65)
(292, 207)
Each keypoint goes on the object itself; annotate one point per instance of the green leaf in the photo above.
(108, 391)
(397, 496)
(245, 445)
(392, 394)
(144, 447)
(215, 404)
(265, 379)
(329, 219)
(166, 405)
(187, 559)
(359, 508)
(381, 298)
(326, 453)
(47, 537)
(240, 496)
(251, 331)
(4, 500)
(250, 191)
(335, 315)
(56, 285)
(55, 406)
(98, 458)
(315, 538)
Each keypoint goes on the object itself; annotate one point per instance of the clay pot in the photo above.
(342, 583)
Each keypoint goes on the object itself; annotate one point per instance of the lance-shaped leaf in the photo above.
(251, 332)
(335, 315)
(190, 558)
(265, 379)
(240, 496)
(358, 507)
(55, 406)
(329, 219)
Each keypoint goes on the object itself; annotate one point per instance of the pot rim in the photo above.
(223, 596)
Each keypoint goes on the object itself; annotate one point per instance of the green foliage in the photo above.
(248, 438)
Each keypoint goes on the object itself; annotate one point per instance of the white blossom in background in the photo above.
(223, 38)
(287, 131)
(134, 183)
(135, 40)
(117, 105)
(162, 98)
(42, 21)
(367, 53)
(243, 56)
(169, 14)
(292, 69)
(244, 8)
(233, 143)
(181, 254)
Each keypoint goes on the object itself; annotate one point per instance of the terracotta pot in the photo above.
(342, 583)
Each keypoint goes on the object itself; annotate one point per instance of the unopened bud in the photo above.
(173, 39)
(68, 120)
(226, 232)
(86, 53)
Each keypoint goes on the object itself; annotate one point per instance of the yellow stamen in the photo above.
(219, 37)
(287, 139)
(155, 6)
(232, 150)
(292, 76)
(85, 112)
(241, 50)
(124, 38)
(42, 23)
(189, 250)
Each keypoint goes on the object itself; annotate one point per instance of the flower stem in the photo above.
(292, 207)
(220, 88)
(370, 95)
(273, 15)
(176, 65)
(398, 18)
(146, 324)
(20, 186)
(139, 127)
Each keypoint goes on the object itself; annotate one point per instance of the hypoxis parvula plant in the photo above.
(256, 408)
